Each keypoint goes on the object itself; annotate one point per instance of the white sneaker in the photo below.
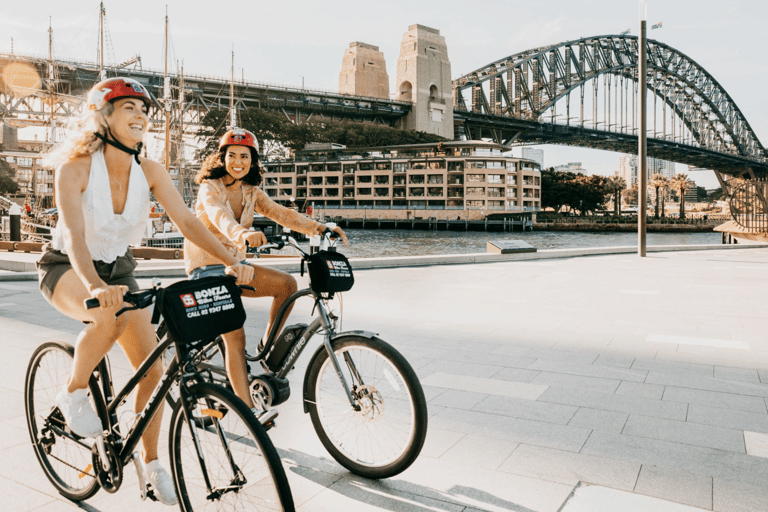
(162, 484)
(78, 413)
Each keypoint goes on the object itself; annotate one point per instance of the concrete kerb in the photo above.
(21, 266)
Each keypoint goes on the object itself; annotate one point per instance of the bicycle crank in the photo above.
(111, 479)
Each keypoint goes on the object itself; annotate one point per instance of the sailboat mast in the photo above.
(167, 98)
(51, 83)
(180, 151)
(102, 73)
(233, 114)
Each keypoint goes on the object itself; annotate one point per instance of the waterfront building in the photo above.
(364, 72)
(24, 157)
(468, 179)
(537, 155)
(628, 168)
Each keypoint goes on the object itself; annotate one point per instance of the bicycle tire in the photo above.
(266, 485)
(393, 415)
(65, 463)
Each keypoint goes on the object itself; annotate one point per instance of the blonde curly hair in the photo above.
(82, 141)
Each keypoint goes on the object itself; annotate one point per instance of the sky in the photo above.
(290, 41)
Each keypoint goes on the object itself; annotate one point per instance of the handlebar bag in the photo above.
(329, 272)
(201, 309)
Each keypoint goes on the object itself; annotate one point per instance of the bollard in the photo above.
(15, 221)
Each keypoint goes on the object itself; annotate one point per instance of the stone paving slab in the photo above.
(666, 427)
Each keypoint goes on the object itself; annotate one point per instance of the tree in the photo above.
(8, 183)
(630, 194)
(276, 133)
(658, 182)
(572, 191)
(680, 183)
(615, 185)
(715, 195)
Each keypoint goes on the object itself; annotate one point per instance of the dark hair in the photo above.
(214, 168)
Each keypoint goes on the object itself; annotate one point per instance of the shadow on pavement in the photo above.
(397, 496)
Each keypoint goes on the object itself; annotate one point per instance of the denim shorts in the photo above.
(207, 271)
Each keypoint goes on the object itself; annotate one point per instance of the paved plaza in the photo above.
(577, 384)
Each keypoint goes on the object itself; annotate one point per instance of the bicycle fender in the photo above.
(320, 349)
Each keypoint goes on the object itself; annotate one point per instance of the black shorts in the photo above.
(53, 264)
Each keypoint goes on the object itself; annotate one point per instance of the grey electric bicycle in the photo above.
(365, 401)
(226, 462)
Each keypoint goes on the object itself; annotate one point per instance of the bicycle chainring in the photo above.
(110, 480)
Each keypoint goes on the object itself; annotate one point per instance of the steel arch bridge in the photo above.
(698, 122)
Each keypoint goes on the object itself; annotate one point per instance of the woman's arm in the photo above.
(288, 217)
(213, 201)
(190, 226)
(71, 182)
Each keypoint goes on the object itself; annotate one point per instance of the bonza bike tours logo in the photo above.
(188, 300)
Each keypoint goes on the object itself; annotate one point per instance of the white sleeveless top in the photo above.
(107, 234)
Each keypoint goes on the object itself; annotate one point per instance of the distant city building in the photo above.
(537, 155)
(628, 168)
(571, 167)
(464, 178)
(364, 72)
(24, 158)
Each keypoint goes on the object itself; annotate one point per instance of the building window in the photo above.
(511, 166)
(478, 178)
(455, 166)
(477, 165)
(286, 181)
(331, 180)
(435, 191)
(435, 178)
(416, 191)
(495, 192)
(400, 166)
(348, 168)
(511, 192)
(364, 191)
(382, 192)
(366, 166)
(382, 166)
(511, 179)
(475, 204)
(495, 179)
(416, 179)
(476, 191)
(382, 180)
(364, 179)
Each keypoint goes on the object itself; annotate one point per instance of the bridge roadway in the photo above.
(637, 381)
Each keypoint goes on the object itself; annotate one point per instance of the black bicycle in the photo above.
(364, 399)
(225, 463)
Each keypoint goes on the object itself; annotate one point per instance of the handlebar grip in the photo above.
(91, 303)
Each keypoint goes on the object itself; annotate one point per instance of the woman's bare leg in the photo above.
(276, 284)
(237, 369)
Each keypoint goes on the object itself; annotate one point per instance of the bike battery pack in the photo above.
(283, 344)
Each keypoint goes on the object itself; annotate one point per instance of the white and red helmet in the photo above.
(239, 137)
(115, 88)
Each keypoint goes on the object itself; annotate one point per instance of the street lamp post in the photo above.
(642, 149)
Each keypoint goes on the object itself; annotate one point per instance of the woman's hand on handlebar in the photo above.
(242, 271)
(109, 296)
(340, 233)
(255, 239)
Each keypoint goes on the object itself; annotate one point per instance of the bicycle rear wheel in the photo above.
(65, 459)
(237, 458)
(386, 434)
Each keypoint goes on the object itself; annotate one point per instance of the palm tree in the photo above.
(680, 183)
(616, 185)
(658, 181)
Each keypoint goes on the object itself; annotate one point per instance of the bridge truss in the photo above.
(692, 119)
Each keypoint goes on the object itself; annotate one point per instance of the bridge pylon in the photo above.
(424, 78)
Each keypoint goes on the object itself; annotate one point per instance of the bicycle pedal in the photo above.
(151, 494)
(267, 417)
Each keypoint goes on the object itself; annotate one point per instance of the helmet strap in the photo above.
(112, 141)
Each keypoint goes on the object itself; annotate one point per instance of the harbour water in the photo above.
(368, 243)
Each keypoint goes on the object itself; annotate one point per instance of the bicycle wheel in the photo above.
(65, 460)
(241, 464)
(386, 434)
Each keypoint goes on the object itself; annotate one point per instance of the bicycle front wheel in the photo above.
(237, 467)
(64, 457)
(385, 432)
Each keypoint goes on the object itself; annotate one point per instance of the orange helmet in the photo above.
(239, 137)
(115, 88)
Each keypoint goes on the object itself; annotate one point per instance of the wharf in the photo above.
(554, 384)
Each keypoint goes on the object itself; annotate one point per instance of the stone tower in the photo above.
(424, 78)
(364, 72)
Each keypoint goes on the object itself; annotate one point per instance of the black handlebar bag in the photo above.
(329, 272)
(201, 309)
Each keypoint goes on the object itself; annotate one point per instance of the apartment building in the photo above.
(447, 178)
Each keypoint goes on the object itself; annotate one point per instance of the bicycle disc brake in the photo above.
(109, 480)
(370, 401)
